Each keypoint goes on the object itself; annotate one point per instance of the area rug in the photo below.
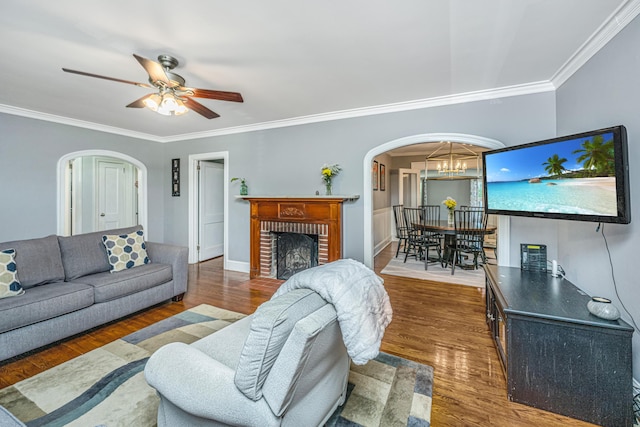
(106, 387)
(415, 269)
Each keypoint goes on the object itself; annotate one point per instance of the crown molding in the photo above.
(16, 111)
(619, 19)
(483, 95)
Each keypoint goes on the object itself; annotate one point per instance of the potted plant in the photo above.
(244, 190)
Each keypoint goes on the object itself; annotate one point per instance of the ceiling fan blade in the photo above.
(139, 103)
(155, 71)
(216, 94)
(82, 73)
(200, 109)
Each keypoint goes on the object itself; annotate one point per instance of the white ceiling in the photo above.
(293, 61)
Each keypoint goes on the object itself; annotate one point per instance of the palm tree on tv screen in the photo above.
(554, 166)
(596, 156)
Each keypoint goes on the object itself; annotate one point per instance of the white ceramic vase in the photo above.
(602, 308)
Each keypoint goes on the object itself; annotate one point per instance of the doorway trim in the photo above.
(63, 190)
(193, 203)
(367, 199)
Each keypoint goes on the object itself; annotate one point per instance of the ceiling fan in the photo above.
(172, 97)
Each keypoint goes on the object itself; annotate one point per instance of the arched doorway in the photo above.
(503, 222)
(64, 185)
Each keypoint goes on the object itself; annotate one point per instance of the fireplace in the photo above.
(319, 216)
(270, 230)
(294, 252)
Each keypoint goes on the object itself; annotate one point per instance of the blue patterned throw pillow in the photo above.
(126, 250)
(9, 284)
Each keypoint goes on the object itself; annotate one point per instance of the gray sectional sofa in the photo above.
(69, 287)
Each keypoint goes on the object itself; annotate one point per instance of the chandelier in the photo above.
(449, 168)
(447, 163)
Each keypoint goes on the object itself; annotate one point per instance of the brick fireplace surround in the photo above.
(320, 215)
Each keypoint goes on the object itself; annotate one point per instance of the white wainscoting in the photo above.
(382, 226)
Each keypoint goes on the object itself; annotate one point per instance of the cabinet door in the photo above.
(576, 370)
(497, 325)
(501, 336)
(489, 304)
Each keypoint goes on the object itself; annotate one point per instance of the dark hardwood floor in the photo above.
(437, 324)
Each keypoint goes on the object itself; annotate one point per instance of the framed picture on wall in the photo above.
(383, 179)
(175, 177)
(374, 175)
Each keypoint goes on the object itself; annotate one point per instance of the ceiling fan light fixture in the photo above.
(173, 96)
(169, 102)
(152, 102)
(180, 109)
(168, 105)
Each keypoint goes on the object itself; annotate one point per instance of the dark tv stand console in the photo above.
(556, 355)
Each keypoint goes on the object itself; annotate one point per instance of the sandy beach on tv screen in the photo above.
(606, 183)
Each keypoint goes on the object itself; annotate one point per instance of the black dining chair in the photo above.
(402, 231)
(488, 243)
(470, 228)
(420, 242)
(433, 240)
(413, 217)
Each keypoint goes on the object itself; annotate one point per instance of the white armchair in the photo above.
(285, 365)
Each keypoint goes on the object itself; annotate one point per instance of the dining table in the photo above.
(448, 230)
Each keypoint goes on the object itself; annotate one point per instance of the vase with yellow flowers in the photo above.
(451, 206)
(328, 173)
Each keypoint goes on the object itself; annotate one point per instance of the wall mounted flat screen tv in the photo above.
(583, 177)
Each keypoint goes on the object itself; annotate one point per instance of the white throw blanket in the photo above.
(359, 297)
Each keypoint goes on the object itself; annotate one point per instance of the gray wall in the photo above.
(438, 191)
(606, 92)
(382, 199)
(29, 154)
(288, 160)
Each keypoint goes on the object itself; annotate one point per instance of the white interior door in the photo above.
(409, 187)
(211, 210)
(115, 189)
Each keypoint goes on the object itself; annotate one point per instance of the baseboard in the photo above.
(240, 266)
(380, 246)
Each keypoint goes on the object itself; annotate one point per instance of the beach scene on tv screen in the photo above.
(568, 177)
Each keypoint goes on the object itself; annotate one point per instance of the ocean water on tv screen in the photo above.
(590, 196)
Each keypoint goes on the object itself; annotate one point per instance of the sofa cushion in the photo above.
(125, 250)
(9, 284)
(85, 254)
(43, 302)
(270, 327)
(109, 286)
(38, 260)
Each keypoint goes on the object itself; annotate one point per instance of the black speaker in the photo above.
(533, 257)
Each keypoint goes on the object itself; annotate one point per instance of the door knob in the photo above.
(102, 214)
